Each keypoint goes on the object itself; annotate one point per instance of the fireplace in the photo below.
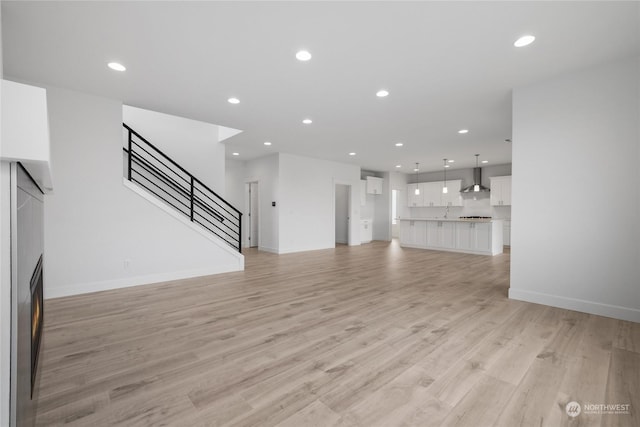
(37, 317)
(27, 299)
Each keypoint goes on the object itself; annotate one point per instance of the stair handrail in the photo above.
(188, 191)
(181, 168)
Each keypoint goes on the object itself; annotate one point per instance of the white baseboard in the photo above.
(303, 249)
(266, 249)
(295, 250)
(84, 288)
(460, 251)
(591, 307)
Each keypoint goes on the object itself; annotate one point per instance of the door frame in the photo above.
(350, 210)
(250, 219)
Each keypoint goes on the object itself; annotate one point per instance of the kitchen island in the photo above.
(469, 235)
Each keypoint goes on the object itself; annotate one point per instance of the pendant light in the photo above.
(417, 190)
(445, 190)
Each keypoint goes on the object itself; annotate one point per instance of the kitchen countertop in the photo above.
(453, 219)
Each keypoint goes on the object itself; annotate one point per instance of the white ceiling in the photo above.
(447, 66)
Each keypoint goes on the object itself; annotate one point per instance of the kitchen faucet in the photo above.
(446, 212)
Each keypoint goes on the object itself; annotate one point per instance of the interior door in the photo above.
(342, 199)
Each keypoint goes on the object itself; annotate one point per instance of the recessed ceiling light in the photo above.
(399, 144)
(524, 41)
(233, 101)
(447, 166)
(236, 154)
(398, 166)
(303, 55)
(352, 154)
(307, 121)
(116, 66)
(416, 169)
(382, 93)
(450, 160)
(267, 143)
(463, 131)
(485, 161)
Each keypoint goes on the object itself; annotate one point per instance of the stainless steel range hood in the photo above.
(477, 186)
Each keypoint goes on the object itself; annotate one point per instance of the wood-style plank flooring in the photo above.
(375, 335)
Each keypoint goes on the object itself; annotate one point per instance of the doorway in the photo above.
(342, 208)
(253, 215)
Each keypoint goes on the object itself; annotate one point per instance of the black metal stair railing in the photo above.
(156, 172)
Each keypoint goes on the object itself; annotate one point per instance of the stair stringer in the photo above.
(148, 196)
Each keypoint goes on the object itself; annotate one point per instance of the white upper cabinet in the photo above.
(415, 200)
(452, 197)
(431, 194)
(501, 191)
(374, 185)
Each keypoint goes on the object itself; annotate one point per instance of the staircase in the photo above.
(158, 174)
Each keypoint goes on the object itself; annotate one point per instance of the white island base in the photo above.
(473, 236)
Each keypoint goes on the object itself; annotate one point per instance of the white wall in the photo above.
(378, 207)
(192, 144)
(398, 182)
(235, 191)
(382, 211)
(307, 187)
(93, 223)
(265, 171)
(226, 133)
(234, 183)
(303, 189)
(368, 210)
(582, 251)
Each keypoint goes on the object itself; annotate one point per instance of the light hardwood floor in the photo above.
(375, 335)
